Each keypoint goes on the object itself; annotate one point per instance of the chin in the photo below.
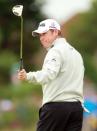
(45, 47)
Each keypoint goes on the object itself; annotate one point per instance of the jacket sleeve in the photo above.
(50, 69)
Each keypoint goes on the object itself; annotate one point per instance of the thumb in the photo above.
(23, 70)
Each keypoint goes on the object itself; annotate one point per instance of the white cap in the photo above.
(45, 25)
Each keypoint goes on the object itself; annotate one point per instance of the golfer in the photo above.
(61, 78)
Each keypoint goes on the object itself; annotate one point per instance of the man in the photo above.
(61, 78)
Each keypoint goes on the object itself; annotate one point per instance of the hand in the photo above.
(22, 75)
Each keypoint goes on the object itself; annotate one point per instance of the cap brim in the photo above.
(37, 32)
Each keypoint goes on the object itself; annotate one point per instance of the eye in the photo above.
(42, 34)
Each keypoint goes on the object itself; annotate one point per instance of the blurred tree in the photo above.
(83, 33)
(10, 32)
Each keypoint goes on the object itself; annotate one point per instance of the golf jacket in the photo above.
(62, 73)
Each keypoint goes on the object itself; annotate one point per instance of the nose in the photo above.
(41, 37)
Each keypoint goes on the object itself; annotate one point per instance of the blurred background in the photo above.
(20, 101)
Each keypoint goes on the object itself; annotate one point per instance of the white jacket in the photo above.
(62, 73)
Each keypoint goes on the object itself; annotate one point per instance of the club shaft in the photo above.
(21, 42)
(21, 45)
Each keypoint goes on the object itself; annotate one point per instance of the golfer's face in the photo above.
(47, 38)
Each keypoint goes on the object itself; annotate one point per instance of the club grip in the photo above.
(21, 64)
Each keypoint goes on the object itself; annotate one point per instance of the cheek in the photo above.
(50, 39)
(46, 40)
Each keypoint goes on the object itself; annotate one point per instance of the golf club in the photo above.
(17, 10)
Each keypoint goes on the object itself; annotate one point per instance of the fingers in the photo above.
(22, 75)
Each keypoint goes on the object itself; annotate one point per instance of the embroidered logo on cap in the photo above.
(42, 24)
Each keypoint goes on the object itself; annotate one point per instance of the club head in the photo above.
(17, 10)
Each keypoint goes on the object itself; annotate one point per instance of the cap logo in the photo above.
(42, 24)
